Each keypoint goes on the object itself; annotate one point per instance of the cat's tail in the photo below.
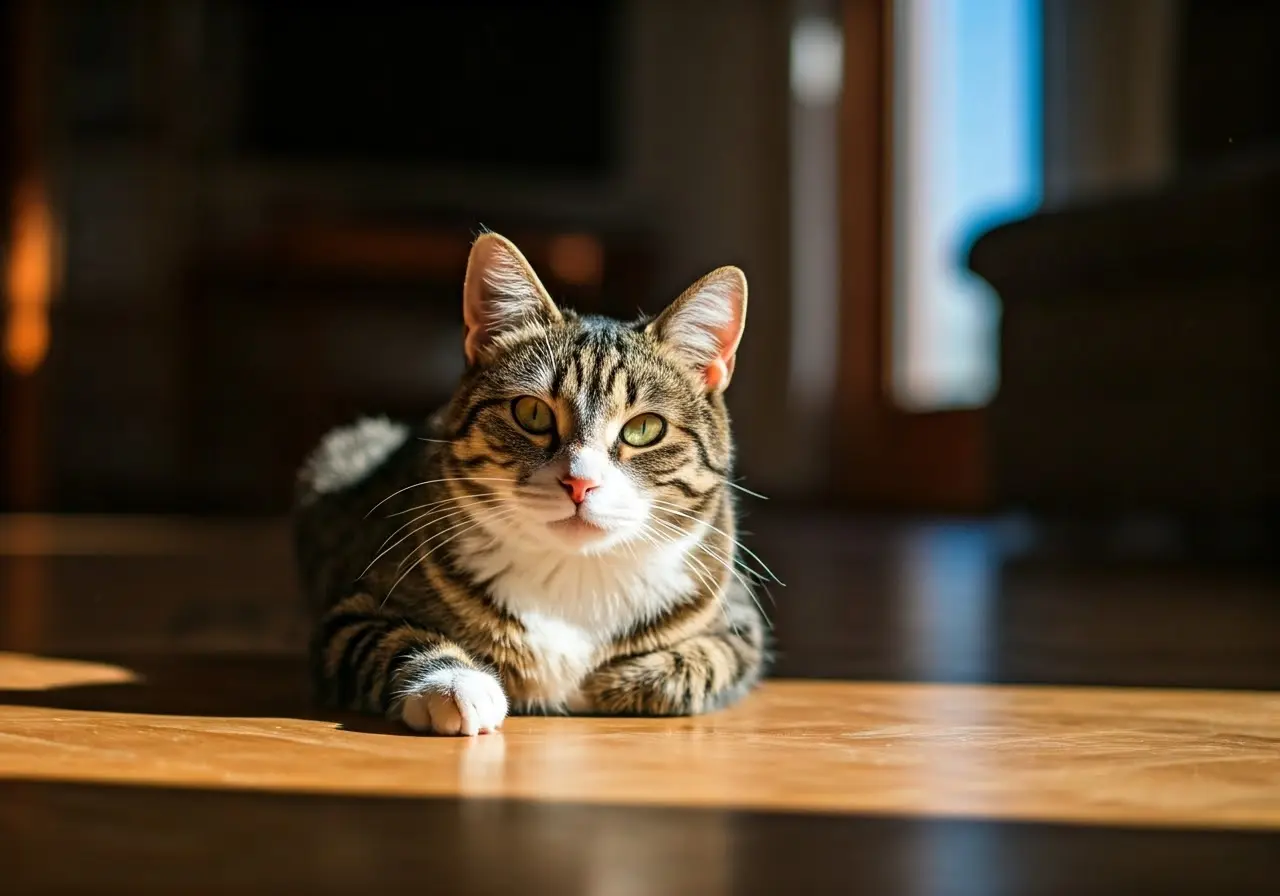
(335, 492)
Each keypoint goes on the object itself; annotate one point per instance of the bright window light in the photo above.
(967, 155)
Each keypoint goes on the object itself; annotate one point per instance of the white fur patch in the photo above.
(572, 603)
(455, 701)
(347, 455)
(566, 653)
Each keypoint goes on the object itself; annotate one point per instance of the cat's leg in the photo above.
(698, 675)
(372, 661)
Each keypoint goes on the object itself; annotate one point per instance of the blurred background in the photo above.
(1010, 380)
(1003, 254)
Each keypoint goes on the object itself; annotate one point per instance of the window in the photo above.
(967, 124)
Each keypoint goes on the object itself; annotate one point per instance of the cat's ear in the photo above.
(501, 293)
(705, 324)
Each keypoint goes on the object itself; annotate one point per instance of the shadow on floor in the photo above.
(216, 685)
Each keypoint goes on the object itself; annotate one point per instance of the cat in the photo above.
(560, 538)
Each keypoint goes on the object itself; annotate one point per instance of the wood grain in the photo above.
(1144, 757)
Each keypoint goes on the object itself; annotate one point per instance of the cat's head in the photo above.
(583, 434)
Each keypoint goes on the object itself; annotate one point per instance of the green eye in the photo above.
(533, 414)
(644, 430)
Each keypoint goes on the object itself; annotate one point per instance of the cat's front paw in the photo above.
(455, 701)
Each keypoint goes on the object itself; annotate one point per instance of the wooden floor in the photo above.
(958, 708)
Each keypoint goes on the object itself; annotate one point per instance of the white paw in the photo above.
(456, 701)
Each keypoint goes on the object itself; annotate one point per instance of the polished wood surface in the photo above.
(67, 838)
(1036, 754)
(961, 707)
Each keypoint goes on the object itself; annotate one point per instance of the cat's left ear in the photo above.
(704, 325)
(501, 293)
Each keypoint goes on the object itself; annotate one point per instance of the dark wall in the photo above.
(1228, 88)
(6, 103)
(506, 87)
(264, 211)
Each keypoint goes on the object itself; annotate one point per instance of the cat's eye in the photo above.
(643, 430)
(533, 414)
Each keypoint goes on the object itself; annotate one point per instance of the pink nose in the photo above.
(577, 487)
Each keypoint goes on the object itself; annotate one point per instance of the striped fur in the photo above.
(455, 580)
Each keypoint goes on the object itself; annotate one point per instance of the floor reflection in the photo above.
(949, 578)
(948, 601)
(24, 595)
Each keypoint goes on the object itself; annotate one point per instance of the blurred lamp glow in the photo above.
(29, 281)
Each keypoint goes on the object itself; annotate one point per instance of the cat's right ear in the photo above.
(704, 326)
(501, 293)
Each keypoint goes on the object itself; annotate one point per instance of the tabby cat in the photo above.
(560, 538)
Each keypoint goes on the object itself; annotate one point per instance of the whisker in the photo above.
(713, 553)
(709, 580)
(631, 549)
(385, 549)
(737, 561)
(746, 490)
(433, 482)
(451, 499)
(438, 534)
(716, 590)
(434, 516)
(729, 567)
(773, 601)
(422, 559)
(670, 508)
(746, 586)
(703, 575)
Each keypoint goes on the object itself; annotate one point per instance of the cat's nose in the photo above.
(578, 487)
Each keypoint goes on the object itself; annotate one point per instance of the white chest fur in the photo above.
(565, 653)
(572, 606)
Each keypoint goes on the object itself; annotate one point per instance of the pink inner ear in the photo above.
(715, 373)
(474, 325)
(471, 341)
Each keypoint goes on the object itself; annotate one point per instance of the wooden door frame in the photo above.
(885, 456)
